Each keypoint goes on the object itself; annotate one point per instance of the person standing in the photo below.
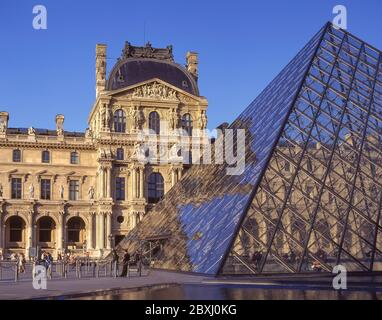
(49, 264)
(126, 260)
(115, 262)
(21, 263)
(138, 261)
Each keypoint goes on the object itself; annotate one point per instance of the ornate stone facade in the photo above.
(83, 192)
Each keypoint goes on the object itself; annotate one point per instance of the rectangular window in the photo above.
(120, 189)
(45, 157)
(74, 158)
(45, 189)
(74, 190)
(16, 156)
(16, 188)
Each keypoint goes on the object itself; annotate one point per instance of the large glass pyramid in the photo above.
(311, 193)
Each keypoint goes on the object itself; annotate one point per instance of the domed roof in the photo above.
(139, 64)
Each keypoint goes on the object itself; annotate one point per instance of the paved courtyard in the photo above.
(73, 287)
(59, 287)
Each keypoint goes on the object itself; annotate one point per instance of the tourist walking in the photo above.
(21, 263)
(49, 264)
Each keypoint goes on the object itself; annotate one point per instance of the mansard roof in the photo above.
(138, 64)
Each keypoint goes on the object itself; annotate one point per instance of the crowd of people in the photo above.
(19, 258)
(127, 262)
(45, 258)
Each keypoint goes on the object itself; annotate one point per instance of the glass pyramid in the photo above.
(311, 193)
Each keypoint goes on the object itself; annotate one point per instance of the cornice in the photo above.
(38, 145)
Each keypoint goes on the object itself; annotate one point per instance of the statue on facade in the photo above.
(136, 117)
(175, 151)
(173, 119)
(31, 191)
(105, 117)
(138, 152)
(203, 120)
(91, 193)
(31, 131)
(3, 127)
(88, 133)
(141, 119)
(1, 190)
(61, 192)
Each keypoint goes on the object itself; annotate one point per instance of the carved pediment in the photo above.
(155, 90)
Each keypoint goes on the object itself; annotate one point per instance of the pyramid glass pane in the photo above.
(310, 196)
(329, 212)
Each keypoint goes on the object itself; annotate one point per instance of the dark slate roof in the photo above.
(130, 71)
(44, 132)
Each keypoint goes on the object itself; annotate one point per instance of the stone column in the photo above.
(30, 235)
(180, 173)
(134, 172)
(34, 233)
(108, 233)
(61, 233)
(2, 239)
(141, 179)
(173, 177)
(90, 231)
(100, 194)
(96, 217)
(108, 182)
(1, 230)
(101, 236)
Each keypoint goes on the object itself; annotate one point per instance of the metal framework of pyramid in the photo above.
(311, 192)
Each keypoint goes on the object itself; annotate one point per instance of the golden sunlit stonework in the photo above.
(83, 192)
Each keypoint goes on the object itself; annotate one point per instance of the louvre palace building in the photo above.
(83, 192)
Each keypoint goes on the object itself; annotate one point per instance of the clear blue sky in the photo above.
(242, 45)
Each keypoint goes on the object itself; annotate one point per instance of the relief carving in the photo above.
(155, 91)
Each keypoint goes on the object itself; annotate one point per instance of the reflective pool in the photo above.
(232, 292)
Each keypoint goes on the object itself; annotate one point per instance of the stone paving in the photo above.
(72, 287)
(59, 287)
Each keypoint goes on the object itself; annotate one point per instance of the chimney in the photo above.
(192, 63)
(60, 124)
(100, 68)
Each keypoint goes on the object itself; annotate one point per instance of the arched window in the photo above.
(16, 155)
(187, 123)
(120, 154)
(16, 229)
(45, 156)
(76, 230)
(46, 227)
(154, 122)
(119, 121)
(155, 187)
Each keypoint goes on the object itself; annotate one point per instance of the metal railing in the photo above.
(80, 268)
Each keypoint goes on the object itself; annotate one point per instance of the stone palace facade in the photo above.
(83, 192)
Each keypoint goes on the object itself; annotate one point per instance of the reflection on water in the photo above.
(228, 292)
